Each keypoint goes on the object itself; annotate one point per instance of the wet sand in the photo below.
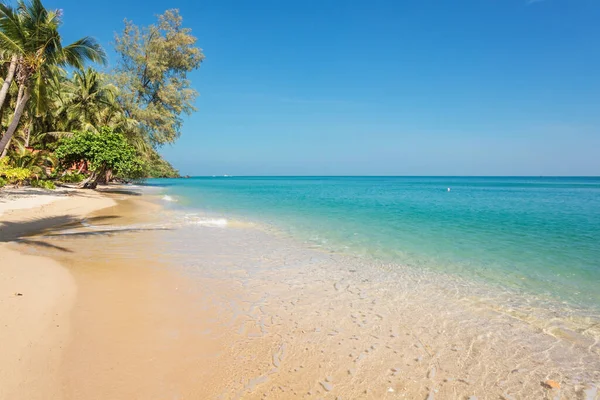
(169, 308)
(312, 324)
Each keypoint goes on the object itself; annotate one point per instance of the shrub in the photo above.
(13, 175)
(43, 184)
(71, 177)
(37, 162)
(3, 182)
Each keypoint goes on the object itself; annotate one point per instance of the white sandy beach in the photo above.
(36, 293)
(139, 302)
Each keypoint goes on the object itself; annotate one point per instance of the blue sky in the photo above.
(349, 87)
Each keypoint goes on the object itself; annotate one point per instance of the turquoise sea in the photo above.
(532, 235)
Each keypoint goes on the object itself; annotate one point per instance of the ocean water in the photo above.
(532, 236)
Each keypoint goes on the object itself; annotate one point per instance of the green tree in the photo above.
(152, 76)
(29, 34)
(157, 167)
(89, 102)
(106, 152)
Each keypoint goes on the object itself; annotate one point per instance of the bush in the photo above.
(43, 184)
(11, 174)
(106, 151)
(71, 177)
(3, 182)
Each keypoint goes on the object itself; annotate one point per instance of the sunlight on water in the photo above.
(537, 235)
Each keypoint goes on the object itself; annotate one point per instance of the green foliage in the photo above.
(36, 162)
(105, 151)
(43, 184)
(157, 167)
(89, 101)
(152, 75)
(71, 177)
(3, 182)
(29, 34)
(13, 175)
(144, 98)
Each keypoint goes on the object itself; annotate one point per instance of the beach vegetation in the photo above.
(70, 177)
(29, 36)
(38, 162)
(107, 154)
(13, 175)
(56, 112)
(42, 184)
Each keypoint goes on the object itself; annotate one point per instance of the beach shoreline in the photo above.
(80, 322)
(158, 302)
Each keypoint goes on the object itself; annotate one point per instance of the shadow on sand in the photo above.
(31, 231)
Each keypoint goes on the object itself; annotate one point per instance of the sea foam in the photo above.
(210, 222)
(166, 197)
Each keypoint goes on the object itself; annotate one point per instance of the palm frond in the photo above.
(84, 49)
(12, 36)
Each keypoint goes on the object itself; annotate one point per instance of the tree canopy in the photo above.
(103, 152)
(152, 74)
(115, 120)
(29, 36)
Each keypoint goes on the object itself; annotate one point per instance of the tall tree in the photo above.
(88, 101)
(152, 76)
(30, 32)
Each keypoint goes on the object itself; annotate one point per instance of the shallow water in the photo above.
(299, 318)
(311, 323)
(536, 235)
(494, 282)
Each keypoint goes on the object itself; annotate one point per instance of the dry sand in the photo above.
(36, 293)
(80, 321)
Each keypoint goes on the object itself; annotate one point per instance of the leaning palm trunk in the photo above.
(8, 80)
(14, 123)
(5, 151)
(19, 98)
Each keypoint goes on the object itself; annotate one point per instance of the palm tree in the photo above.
(30, 32)
(89, 102)
(12, 68)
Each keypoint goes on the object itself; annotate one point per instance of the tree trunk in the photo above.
(20, 95)
(90, 182)
(3, 110)
(105, 177)
(5, 149)
(14, 123)
(8, 80)
(27, 135)
(19, 98)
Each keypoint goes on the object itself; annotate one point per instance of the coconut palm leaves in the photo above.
(29, 33)
(88, 102)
